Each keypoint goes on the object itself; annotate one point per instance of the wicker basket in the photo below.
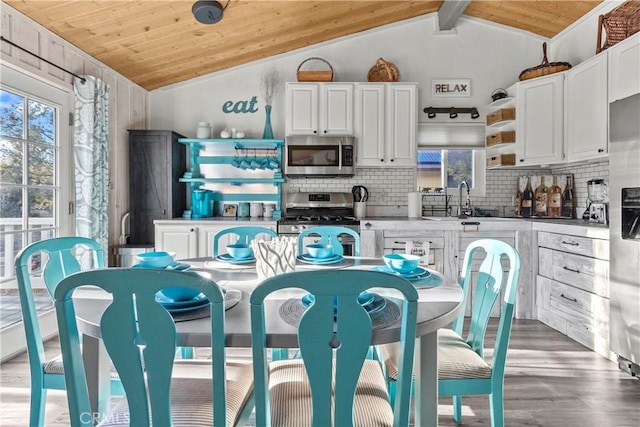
(315, 76)
(545, 68)
(383, 71)
(618, 24)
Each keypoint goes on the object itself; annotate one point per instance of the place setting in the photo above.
(319, 254)
(383, 311)
(183, 303)
(238, 256)
(407, 266)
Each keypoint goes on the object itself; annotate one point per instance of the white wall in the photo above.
(490, 55)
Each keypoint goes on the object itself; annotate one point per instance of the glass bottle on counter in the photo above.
(541, 198)
(518, 199)
(526, 208)
(554, 207)
(567, 199)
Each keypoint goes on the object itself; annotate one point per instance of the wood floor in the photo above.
(551, 381)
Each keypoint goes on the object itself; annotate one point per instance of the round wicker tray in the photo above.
(545, 68)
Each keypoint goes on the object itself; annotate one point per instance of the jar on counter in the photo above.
(267, 210)
(255, 210)
(243, 209)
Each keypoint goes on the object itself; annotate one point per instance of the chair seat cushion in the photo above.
(191, 399)
(55, 366)
(455, 358)
(290, 398)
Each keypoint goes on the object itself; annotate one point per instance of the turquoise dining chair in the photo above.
(333, 384)
(245, 235)
(53, 259)
(140, 336)
(462, 367)
(329, 235)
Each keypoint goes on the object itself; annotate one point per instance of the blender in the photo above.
(597, 202)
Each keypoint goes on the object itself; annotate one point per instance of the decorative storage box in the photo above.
(501, 115)
(504, 137)
(229, 209)
(501, 160)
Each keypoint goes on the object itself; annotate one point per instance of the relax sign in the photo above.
(450, 88)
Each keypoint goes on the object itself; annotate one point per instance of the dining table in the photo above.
(440, 301)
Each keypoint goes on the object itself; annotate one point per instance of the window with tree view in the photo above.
(445, 168)
(29, 149)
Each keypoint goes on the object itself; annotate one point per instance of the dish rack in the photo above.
(435, 202)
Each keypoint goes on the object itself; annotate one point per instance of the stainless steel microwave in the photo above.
(313, 156)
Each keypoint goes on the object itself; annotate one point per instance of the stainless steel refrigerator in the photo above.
(624, 177)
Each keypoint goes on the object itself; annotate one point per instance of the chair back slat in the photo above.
(330, 234)
(140, 337)
(334, 335)
(245, 234)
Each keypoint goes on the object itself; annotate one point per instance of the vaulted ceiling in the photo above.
(157, 42)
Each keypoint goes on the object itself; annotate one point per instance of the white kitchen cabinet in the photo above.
(179, 238)
(573, 288)
(540, 121)
(587, 112)
(319, 109)
(386, 124)
(624, 68)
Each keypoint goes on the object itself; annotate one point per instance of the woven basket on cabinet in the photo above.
(618, 24)
(383, 71)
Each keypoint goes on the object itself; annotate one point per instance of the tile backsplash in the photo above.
(388, 188)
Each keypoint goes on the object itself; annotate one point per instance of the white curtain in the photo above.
(91, 153)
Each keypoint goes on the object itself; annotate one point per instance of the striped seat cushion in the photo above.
(290, 396)
(54, 366)
(455, 358)
(191, 399)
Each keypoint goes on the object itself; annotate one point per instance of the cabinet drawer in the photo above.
(581, 315)
(589, 274)
(400, 242)
(596, 248)
(501, 115)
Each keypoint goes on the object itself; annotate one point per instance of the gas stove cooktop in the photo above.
(316, 209)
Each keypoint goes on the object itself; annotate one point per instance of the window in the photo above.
(33, 152)
(449, 154)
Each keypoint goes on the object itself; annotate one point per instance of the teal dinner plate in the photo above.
(170, 304)
(231, 260)
(429, 281)
(308, 259)
(187, 309)
(178, 266)
(419, 272)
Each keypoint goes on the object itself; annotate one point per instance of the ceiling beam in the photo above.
(449, 13)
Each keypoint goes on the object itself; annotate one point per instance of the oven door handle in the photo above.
(339, 154)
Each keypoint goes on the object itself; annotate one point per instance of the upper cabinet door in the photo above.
(540, 121)
(370, 124)
(319, 109)
(402, 125)
(587, 109)
(624, 68)
(302, 109)
(336, 115)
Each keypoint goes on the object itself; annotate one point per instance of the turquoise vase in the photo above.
(268, 131)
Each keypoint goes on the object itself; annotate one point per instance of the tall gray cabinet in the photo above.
(156, 162)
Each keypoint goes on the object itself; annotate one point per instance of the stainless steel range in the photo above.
(308, 210)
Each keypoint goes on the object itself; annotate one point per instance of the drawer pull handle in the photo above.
(574, 270)
(567, 298)
(571, 243)
(400, 243)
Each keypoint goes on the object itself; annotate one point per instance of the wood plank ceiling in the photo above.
(158, 43)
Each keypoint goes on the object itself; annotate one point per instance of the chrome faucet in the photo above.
(466, 209)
